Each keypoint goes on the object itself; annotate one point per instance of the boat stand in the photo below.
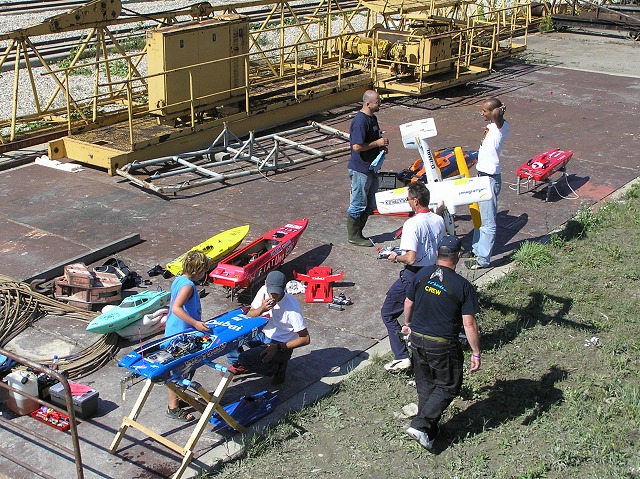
(531, 184)
(211, 405)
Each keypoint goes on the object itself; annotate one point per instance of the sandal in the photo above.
(180, 414)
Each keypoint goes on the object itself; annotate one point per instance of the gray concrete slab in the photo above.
(47, 216)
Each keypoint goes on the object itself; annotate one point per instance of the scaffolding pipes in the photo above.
(233, 158)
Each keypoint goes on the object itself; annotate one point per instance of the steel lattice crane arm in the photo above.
(96, 13)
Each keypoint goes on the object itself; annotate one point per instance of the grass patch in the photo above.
(546, 24)
(557, 395)
(533, 255)
(119, 68)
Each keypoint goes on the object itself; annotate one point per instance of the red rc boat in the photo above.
(250, 263)
(541, 167)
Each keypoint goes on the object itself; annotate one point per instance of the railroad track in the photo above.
(53, 50)
(38, 6)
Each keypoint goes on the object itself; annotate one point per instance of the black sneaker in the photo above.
(156, 270)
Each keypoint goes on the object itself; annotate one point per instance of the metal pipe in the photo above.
(245, 152)
(331, 130)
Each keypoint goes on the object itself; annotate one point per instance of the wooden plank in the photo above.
(87, 258)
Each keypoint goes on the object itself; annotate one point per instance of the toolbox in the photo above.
(388, 180)
(84, 406)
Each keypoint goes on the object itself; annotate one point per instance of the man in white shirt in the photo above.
(489, 165)
(270, 351)
(420, 236)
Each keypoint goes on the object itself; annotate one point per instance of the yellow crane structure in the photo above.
(248, 66)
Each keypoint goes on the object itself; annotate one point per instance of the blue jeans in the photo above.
(364, 187)
(392, 308)
(258, 340)
(485, 237)
(252, 359)
(438, 368)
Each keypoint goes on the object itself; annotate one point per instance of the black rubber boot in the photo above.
(355, 232)
(363, 221)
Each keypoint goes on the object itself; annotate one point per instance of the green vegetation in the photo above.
(546, 24)
(133, 43)
(119, 68)
(533, 255)
(34, 125)
(78, 69)
(557, 396)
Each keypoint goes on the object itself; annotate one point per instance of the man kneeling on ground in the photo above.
(270, 351)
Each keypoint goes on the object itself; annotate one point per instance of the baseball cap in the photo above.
(449, 244)
(276, 282)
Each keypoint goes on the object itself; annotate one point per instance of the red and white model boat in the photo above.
(250, 263)
(540, 168)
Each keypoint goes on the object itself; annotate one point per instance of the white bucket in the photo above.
(18, 403)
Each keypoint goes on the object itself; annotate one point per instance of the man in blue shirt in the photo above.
(366, 143)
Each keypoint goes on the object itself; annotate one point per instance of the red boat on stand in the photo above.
(252, 262)
(540, 168)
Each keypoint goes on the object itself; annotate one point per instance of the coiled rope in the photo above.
(20, 308)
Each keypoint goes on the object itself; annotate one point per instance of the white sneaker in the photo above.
(421, 437)
(398, 365)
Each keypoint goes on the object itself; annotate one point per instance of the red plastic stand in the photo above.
(319, 279)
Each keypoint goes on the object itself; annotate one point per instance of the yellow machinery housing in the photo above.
(174, 86)
(402, 54)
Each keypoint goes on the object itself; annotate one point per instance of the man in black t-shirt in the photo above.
(439, 304)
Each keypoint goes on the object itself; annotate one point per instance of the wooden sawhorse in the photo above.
(212, 404)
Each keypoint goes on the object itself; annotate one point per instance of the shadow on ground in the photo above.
(506, 400)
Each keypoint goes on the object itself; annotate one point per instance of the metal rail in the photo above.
(250, 157)
(75, 451)
(35, 6)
